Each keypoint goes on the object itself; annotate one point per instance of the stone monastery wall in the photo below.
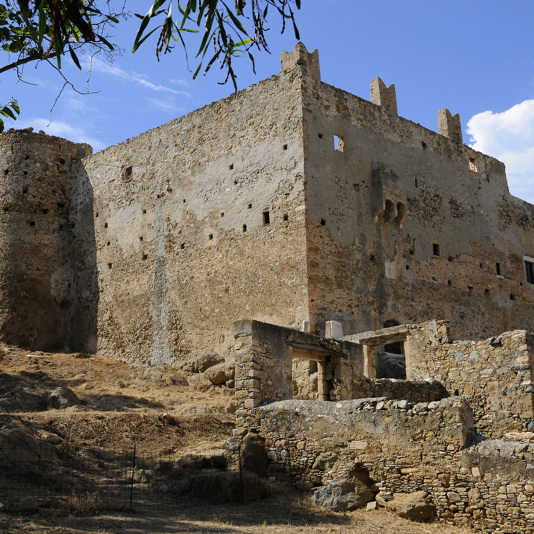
(406, 224)
(198, 223)
(290, 201)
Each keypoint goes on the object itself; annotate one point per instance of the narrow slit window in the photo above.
(339, 145)
(529, 270)
(244, 228)
(498, 269)
(436, 249)
(266, 218)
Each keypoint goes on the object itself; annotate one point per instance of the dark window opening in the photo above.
(24, 189)
(323, 222)
(6, 171)
(266, 218)
(470, 288)
(407, 267)
(127, 173)
(145, 256)
(108, 243)
(106, 225)
(529, 271)
(285, 147)
(250, 206)
(6, 209)
(411, 250)
(144, 212)
(110, 265)
(183, 201)
(423, 144)
(27, 158)
(436, 249)
(416, 183)
(481, 265)
(222, 213)
(512, 297)
(486, 291)
(235, 182)
(320, 136)
(231, 167)
(96, 215)
(449, 283)
(210, 237)
(286, 217)
(182, 245)
(31, 223)
(44, 212)
(140, 238)
(244, 228)
(498, 269)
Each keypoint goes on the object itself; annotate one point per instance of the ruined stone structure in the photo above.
(290, 201)
(311, 236)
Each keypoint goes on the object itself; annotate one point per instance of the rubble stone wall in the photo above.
(494, 375)
(405, 447)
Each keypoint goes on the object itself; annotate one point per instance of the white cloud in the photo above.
(140, 79)
(509, 137)
(62, 129)
(166, 105)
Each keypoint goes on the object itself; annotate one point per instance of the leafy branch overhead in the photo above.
(227, 31)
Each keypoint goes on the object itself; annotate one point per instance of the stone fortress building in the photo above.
(290, 201)
(318, 240)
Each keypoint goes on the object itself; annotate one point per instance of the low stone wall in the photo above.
(411, 391)
(405, 448)
(495, 376)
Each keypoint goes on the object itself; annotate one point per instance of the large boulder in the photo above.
(346, 492)
(220, 373)
(413, 506)
(62, 398)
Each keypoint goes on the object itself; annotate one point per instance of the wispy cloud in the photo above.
(166, 105)
(509, 136)
(62, 129)
(133, 77)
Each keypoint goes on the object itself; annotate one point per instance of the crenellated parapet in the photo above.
(308, 61)
(384, 95)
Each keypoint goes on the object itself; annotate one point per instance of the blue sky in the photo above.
(474, 57)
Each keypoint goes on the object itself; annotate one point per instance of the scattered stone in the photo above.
(62, 398)
(346, 492)
(412, 506)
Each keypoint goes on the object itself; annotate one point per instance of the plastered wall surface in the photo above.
(198, 223)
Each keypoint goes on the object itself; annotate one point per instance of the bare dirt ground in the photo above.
(155, 408)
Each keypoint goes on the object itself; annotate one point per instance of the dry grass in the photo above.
(274, 515)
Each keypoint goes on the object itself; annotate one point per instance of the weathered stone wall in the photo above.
(405, 448)
(36, 238)
(390, 388)
(197, 224)
(406, 224)
(494, 375)
(264, 356)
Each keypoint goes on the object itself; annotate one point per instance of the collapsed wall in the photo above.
(407, 436)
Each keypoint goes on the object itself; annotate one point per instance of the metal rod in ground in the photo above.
(241, 476)
(133, 476)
